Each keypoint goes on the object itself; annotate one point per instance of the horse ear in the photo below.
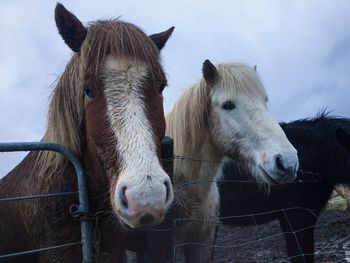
(343, 138)
(210, 73)
(71, 29)
(161, 38)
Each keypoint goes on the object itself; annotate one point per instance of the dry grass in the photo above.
(336, 202)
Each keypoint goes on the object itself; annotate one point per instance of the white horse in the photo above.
(223, 114)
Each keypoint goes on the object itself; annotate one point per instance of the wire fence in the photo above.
(81, 210)
(266, 242)
(332, 245)
(256, 243)
(82, 207)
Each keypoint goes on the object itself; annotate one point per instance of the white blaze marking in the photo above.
(135, 139)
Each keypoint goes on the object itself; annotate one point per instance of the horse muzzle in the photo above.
(144, 204)
(280, 169)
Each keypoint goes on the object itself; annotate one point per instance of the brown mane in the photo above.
(66, 110)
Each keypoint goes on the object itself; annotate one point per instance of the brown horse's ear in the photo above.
(71, 29)
(161, 38)
(343, 138)
(210, 73)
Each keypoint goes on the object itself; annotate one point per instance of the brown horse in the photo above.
(107, 108)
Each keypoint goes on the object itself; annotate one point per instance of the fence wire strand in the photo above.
(331, 249)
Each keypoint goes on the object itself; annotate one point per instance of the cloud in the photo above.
(340, 51)
(301, 49)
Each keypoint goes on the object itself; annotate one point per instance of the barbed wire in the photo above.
(281, 234)
(179, 185)
(188, 158)
(331, 249)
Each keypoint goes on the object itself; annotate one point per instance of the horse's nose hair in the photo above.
(146, 219)
(279, 163)
(283, 165)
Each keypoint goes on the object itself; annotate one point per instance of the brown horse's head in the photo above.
(113, 89)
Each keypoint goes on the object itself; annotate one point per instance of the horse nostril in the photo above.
(167, 189)
(146, 219)
(279, 163)
(123, 199)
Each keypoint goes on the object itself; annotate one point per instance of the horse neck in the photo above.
(200, 164)
(187, 124)
(95, 173)
(30, 177)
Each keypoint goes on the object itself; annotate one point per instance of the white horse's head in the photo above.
(241, 125)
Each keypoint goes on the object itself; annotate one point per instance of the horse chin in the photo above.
(128, 228)
(270, 179)
(266, 177)
(129, 224)
(258, 172)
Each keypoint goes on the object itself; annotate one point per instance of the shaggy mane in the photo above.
(322, 126)
(322, 116)
(187, 122)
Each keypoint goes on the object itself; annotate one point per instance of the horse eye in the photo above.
(89, 93)
(228, 105)
(161, 88)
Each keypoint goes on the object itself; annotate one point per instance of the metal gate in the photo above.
(83, 207)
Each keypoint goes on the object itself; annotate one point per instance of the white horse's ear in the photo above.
(71, 29)
(210, 73)
(255, 68)
(161, 38)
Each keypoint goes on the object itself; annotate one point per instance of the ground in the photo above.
(265, 243)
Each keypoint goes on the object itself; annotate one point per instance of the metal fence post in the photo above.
(168, 156)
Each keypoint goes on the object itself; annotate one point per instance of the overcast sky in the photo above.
(301, 48)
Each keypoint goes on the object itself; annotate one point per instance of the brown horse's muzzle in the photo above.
(144, 200)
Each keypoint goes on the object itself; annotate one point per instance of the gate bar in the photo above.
(28, 197)
(82, 184)
(39, 250)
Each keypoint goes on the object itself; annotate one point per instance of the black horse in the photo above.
(323, 145)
